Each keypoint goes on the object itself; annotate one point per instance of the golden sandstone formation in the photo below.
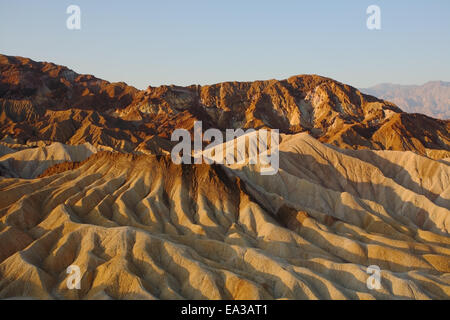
(91, 183)
(142, 227)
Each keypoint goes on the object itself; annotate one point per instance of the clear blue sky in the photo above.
(209, 41)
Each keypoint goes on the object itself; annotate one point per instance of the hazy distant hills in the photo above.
(432, 98)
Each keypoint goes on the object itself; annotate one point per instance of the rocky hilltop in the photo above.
(43, 101)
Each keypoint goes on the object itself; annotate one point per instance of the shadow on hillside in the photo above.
(400, 175)
(25, 169)
(329, 177)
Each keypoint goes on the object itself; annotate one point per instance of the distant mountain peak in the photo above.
(431, 98)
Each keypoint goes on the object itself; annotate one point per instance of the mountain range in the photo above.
(46, 102)
(432, 98)
(87, 180)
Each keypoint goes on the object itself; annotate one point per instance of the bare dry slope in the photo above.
(31, 162)
(141, 227)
